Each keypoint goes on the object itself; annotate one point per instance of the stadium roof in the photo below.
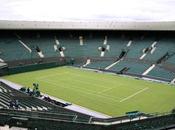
(88, 14)
(86, 25)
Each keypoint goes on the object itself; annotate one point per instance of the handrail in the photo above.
(65, 117)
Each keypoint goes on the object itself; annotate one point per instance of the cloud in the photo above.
(59, 10)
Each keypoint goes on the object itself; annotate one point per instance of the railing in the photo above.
(36, 114)
(156, 120)
(124, 119)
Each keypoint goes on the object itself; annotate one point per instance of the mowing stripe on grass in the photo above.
(51, 75)
(105, 90)
(85, 89)
(82, 91)
(106, 93)
(124, 99)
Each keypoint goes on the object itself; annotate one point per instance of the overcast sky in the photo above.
(116, 10)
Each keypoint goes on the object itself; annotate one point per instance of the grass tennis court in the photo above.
(109, 94)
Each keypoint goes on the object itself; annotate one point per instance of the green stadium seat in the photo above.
(136, 48)
(162, 73)
(134, 67)
(11, 50)
(163, 46)
(99, 64)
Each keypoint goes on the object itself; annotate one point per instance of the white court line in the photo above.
(74, 88)
(99, 79)
(85, 82)
(105, 90)
(96, 114)
(124, 99)
(101, 94)
(53, 75)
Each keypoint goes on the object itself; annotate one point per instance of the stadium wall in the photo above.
(32, 122)
(32, 65)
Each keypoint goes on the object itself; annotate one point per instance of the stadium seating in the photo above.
(36, 43)
(17, 46)
(137, 47)
(171, 60)
(11, 49)
(116, 45)
(27, 103)
(163, 46)
(46, 45)
(99, 64)
(32, 45)
(72, 47)
(135, 68)
(161, 73)
(30, 103)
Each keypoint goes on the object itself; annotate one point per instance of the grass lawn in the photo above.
(109, 94)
